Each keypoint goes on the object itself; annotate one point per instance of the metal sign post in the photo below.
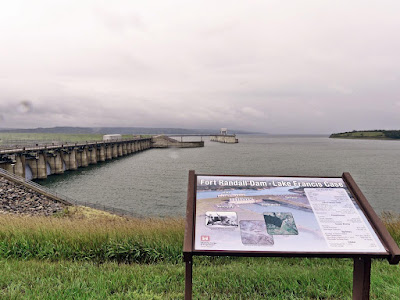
(361, 278)
(188, 278)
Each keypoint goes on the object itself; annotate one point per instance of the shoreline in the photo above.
(363, 138)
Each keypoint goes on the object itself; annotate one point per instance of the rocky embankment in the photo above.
(19, 199)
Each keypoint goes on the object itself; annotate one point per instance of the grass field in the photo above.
(89, 255)
(240, 278)
(21, 138)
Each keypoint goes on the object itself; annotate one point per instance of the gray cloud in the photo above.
(271, 66)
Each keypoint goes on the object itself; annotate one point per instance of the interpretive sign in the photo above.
(280, 214)
(284, 216)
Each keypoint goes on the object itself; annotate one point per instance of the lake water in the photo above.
(154, 182)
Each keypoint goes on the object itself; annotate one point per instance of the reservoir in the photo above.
(154, 182)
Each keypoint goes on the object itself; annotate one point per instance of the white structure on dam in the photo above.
(224, 137)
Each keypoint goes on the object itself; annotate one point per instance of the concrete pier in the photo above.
(229, 139)
(101, 153)
(55, 162)
(40, 162)
(19, 166)
(114, 151)
(92, 153)
(73, 164)
(38, 166)
(162, 141)
(81, 157)
(108, 151)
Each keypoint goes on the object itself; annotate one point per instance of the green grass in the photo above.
(392, 223)
(219, 278)
(49, 137)
(106, 257)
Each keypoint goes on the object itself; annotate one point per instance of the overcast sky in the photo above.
(269, 66)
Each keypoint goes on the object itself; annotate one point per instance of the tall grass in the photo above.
(99, 240)
(122, 240)
(392, 223)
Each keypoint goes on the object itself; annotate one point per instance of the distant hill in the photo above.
(368, 134)
(120, 130)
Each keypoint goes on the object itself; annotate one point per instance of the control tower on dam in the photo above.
(224, 137)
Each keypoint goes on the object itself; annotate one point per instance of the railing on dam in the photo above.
(66, 199)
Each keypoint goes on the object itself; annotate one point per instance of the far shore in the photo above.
(362, 138)
(368, 135)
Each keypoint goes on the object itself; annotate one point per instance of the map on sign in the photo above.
(280, 214)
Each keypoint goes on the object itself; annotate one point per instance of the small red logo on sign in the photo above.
(205, 238)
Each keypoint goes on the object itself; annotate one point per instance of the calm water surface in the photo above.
(154, 182)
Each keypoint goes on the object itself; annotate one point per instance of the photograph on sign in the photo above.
(255, 233)
(280, 214)
(221, 219)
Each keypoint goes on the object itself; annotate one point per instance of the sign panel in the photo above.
(280, 214)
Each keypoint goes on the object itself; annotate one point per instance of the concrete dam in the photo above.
(42, 161)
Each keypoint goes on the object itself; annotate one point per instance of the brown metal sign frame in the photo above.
(362, 261)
